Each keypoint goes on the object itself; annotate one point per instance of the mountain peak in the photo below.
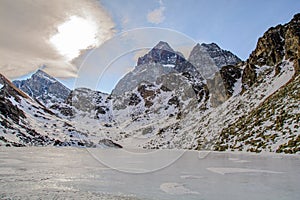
(211, 45)
(40, 71)
(163, 46)
(161, 53)
(41, 74)
(197, 45)
(213, 52)
(206, 46)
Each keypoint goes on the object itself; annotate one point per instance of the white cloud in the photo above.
(26, 27)
(157, 16)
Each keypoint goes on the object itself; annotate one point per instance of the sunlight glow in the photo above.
(74, 35)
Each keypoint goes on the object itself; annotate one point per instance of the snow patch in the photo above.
(169, 65)
(259, 70)
(176, 189)
(237, 88)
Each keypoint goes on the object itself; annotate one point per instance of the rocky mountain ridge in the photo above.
(277, 44)
(169, 103)
(204, 61)
(209, 58)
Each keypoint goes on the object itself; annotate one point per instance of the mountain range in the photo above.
(211, 100)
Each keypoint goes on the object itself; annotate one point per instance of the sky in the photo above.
(93, 43)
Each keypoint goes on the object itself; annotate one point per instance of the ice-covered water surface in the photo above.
(72, 173)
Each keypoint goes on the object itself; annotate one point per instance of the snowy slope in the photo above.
(202, 130)
(273, 126)
(25, 122)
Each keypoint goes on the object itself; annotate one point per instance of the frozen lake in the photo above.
(78, 173)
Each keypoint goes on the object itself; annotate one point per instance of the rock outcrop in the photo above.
(277, 43)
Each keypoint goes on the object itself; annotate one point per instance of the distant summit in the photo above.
(209, 58)
(204, 61)
(163, 46)
(160, 60)
(44, 88)
(161, 53)
(220, 56)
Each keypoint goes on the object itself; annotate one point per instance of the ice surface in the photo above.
(223, 171)
(73, 173)
(190, 177)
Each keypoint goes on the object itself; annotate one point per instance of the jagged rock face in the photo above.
(220, 57)
(143, 95)
(44, 88)
(209, 58)
(142, 73)
(65, 110)
(9, 110)
(292, 41)
(134, 100)
(270, 47)
(183, 85)
(200, 58)
(187, 67)
(249, 76)
(161, 60)
(148, 101)
(282, 41)
(278, 42)
(217, 91)
(230, 74)
(147, 94)
(87, 101)
(221, 87)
